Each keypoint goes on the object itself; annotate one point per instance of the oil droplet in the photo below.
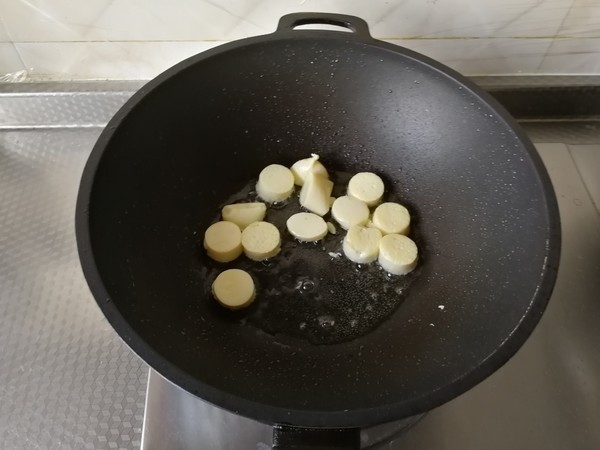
(279, 205)
(326, 321)
(268, 263)
(305, 285)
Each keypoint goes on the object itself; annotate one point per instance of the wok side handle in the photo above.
(356, 24)
(286, 437)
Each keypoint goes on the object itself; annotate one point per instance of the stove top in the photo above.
(176, 419)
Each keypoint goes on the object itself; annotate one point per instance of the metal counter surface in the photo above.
(67, 380)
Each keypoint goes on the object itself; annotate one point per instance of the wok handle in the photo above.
(356, 24)
(286, 437)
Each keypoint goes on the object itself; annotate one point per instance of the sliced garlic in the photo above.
(391, 218)
(315, 194)
(261, 240)
(361, 244)
(275, 183)
(243, 214)
(301, 169)
(366, 186)
(234, 288)
(331, 228)
(397, 254)
(349, 211)
(307, 227)
(223, 241)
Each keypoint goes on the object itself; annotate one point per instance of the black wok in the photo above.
(485, 219)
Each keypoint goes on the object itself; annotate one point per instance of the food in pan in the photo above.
(391, 218)
(315, 194)
(331, 228)
(367, 187)
(223, 241)
(361, 244)
(377, 237)
(275, 183)
(261, 240)
(234, 288)
(397, 254)
(303, 167)
(243, 214)
(307, 227)
(349, 211)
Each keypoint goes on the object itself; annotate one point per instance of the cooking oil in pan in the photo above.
(311, 290)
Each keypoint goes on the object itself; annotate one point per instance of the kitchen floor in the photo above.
(67, 380)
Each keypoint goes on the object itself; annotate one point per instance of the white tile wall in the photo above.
(485, 56)
(468, 18)
(3, 34)
(140, 38)
(177, 20)
(573, 56)
(50, 20)
(9, 59)
(583, 19)
(106, 60)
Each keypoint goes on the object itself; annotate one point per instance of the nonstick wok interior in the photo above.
(183, 146)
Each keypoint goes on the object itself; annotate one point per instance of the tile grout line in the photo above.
(547, 52)
(585, 186)
(13, 42)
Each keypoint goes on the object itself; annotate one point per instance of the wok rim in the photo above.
(273, 414)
